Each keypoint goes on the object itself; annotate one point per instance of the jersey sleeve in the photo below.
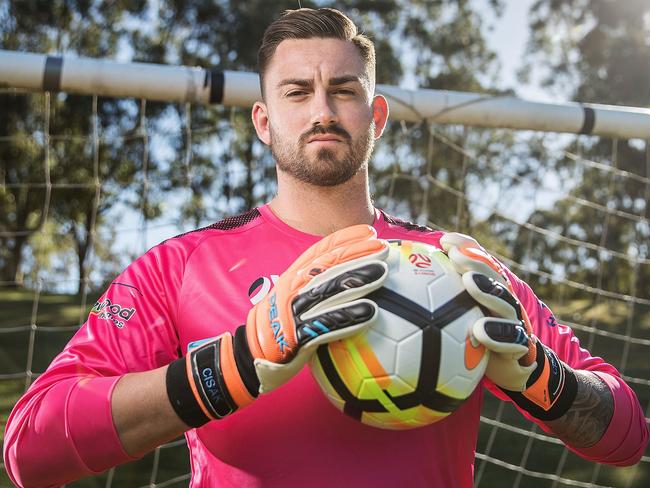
(62, 428)
(626, 437)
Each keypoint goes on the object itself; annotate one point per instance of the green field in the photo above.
(67, 311)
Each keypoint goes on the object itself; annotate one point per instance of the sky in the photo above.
(508, 39)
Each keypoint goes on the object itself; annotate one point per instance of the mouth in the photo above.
(324, 139)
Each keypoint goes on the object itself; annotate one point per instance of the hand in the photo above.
(318, 299)
(529, 372)
(513, 346)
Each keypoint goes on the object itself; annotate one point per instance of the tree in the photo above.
(22, 207)
(599, 50)
(42, 178)
(442, 46)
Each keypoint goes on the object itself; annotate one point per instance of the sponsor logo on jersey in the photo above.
(261, 287)
(551, 321)
(113, 312)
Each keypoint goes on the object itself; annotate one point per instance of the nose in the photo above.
(323, 110)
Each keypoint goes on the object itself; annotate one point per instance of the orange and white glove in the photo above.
(529, 372)
(318, 299)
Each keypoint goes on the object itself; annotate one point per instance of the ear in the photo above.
(261, 122)
(379, 114)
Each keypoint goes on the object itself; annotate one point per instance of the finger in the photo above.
(336, 323)
(283, 309)
(312, 273)
(508, 373)
(492, 295)
(376, 249)
(354, 235)
(343, 283)
(466, 254)
(341, 322)
(451, 239)
(501, 336)
(465, 259)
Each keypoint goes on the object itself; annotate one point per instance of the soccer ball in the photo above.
(417, 363)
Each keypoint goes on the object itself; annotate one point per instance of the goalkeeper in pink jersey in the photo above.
(208, 333)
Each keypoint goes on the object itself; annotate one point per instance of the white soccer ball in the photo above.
(417, 363)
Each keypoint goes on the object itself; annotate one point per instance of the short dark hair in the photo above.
(307, 23)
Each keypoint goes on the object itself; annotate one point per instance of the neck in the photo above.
(323, 210)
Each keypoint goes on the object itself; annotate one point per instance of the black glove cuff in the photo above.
(245, 362)
(209, 384)
(562, 386)
(181, 397)
(197, 385)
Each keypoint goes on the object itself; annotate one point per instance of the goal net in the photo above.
(88, 183)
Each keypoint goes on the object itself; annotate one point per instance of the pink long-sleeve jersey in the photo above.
(203, 283)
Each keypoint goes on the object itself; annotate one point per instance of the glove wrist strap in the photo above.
(215, 379)
(245, 362)
(181, 397)
(550, 390)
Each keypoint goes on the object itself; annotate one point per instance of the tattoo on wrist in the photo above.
(586, 421)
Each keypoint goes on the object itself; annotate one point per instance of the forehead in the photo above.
(314, 58)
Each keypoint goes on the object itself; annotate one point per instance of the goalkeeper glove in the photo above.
(318, 299)
(526, 370)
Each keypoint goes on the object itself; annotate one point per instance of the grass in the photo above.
(52, 311)
(18, 307)
(49, 310)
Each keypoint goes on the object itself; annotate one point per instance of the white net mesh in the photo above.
(569, 215)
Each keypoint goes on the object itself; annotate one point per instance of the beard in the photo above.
(323, 168)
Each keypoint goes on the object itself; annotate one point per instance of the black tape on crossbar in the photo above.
(589, 121)
(216, 86)
(52, 73)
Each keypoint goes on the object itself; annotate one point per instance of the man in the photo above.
(163, 351)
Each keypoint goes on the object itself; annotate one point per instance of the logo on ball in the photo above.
(420, 260)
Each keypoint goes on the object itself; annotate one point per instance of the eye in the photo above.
(344, 91)
(296, 93)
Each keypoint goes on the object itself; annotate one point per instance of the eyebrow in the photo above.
(336, 81)
(341, 80)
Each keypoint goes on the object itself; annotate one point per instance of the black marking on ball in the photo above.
(431, 323)
(353, 407)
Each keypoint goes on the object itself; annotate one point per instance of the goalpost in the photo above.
(230, 88)
(527, 193)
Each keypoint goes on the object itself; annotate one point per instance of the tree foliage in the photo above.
(600, 50)
(209, 161)
(49, 165)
